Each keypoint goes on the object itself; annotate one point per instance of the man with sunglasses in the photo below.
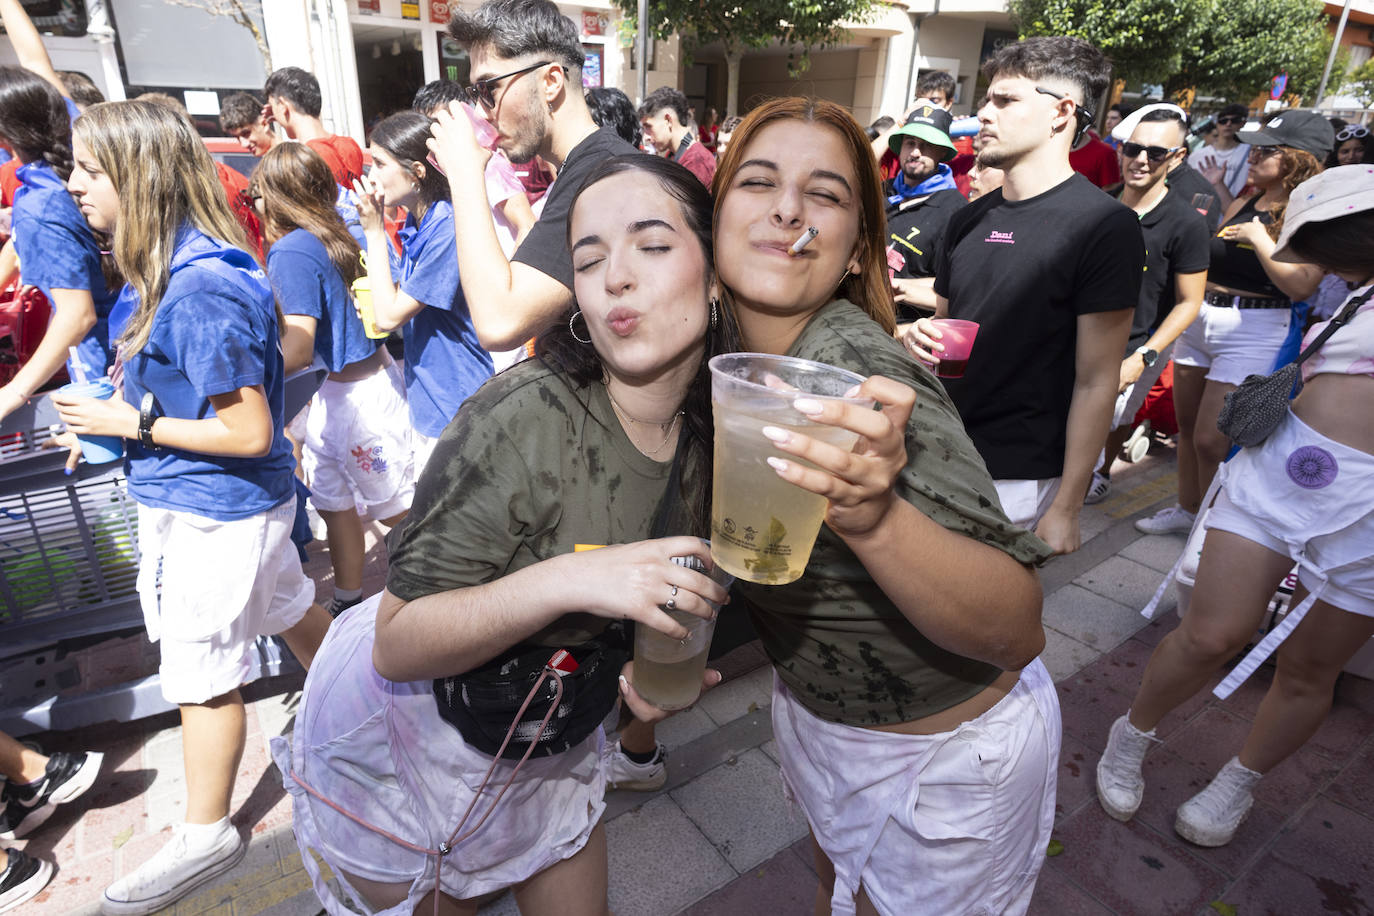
(1050, 267)
(1176, 259)
(1226, 162)
(527, 81)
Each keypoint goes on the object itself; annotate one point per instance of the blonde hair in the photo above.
(869, 289)
(298, 192)
(165, 180)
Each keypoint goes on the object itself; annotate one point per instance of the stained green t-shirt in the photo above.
(529, 468)
(838, 643)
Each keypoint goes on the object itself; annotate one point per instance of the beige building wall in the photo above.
(947, 42)
(832, 75)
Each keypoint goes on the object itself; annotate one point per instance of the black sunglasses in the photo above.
(484, 91)
(1083, 115)
(1232, 119)
(1155, 154)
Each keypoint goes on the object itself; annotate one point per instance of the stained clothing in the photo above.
(57, 250)
(837, 641)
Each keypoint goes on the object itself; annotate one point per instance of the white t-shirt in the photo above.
(1236, 161)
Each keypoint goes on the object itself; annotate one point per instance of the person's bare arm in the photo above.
(915, 291)
(391, 307)
(298, 342)
(1296, 281)
(9, 264)
(510, 302)
(1188, 292)
(518, 212)
(72, 319)
(28, 44)
(1101, 338)
(241, 426)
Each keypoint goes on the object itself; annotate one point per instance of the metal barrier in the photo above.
(68, 565)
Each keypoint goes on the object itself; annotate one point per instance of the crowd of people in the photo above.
(449, 741)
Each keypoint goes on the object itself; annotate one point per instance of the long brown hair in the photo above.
(869, 289)
(298, 192)
(1298, 166)
(165, 180)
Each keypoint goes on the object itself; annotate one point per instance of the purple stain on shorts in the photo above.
(1312, 468)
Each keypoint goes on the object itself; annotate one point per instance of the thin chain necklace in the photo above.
(666, 427)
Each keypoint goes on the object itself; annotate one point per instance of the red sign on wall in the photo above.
(591, 22)
(369, 7)
(439, 12)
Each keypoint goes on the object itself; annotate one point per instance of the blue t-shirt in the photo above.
(57, 251)
(307, 283)
(444, 362)
(215, 332)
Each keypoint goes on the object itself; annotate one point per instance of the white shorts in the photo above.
(379, 749)
(357, 447)
(1128, 402)
(421, 447)
(954, 823)
(1026, 501)
(224, 584)
(1231, 343)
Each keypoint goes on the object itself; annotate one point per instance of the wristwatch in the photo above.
(145, 421)
(1147, 356)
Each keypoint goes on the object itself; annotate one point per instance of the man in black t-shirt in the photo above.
(1176, 259)
(1183, 180)
(920, 200)
(527, 78)
(1050, 267)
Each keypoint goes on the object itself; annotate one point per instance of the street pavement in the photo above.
(720, 840)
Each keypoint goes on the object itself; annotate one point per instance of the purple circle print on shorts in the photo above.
(1312, 468)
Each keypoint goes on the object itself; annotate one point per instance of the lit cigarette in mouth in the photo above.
(803, 240)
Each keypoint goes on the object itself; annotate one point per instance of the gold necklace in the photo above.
(666, 427)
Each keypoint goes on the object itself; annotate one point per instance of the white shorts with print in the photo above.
(1231, 343)
(224, 584)
(357, 447)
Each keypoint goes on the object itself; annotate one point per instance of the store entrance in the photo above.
(390, 69)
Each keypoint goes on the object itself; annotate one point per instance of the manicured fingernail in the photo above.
(853, 392)
(778, 464)
(624, 685)
(807, 406)
(69, 471)
(779, 436)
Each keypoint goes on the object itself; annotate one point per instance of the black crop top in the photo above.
(1235, 264)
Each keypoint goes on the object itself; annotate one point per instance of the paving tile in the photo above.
(1354, 787)
(261, 868)
(740, 660)
(729, 701)
(781, 884)
(1170, 781)
(1089, 709)
(1056, 895)
(1077, 776)
(1064, 655)
(684, 727)
(1158, 553)
(1098, 622)
(770, 747)
(740, 807)
(1330, 842)
(1124, 581)
(1273, 888)
(1125, 865)
(1345, 729)
(658, 840)
(1216, 735)
(1161, 626)
(73, 888)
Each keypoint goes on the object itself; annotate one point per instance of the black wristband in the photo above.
(145, 421)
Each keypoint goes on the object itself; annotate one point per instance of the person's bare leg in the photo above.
(638, 737)
(576, 886)
(1309, 661)
(395, 519)
(305, 637)
(20, 764)
(825, 871)
(213, 735)
(1115, 439)
(346, 550)
(1209, 443)
(381, 896)
(1188, 384)
(1235, 580)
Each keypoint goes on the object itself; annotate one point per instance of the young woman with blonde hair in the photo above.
(357, 437)
(205, 456)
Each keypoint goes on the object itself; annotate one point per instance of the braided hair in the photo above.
(34, 120)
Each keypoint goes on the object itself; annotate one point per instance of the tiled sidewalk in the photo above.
(720, 840)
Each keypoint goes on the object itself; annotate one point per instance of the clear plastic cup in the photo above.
(668, 671)
(96, 449)
(762, 527)
(958, 341)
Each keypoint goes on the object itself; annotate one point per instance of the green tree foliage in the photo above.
(1246, 43)
(1144, 38)
(1360, 83)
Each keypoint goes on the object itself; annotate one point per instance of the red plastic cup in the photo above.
(958, 340)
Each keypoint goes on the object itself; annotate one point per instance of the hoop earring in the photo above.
(573, 331)
(715, 317)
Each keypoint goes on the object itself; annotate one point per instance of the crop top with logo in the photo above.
(1349, 351)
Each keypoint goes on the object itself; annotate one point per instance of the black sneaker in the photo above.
(24, 877)
(337, 606)
(67, 776)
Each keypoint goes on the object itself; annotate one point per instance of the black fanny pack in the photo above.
(483, 702)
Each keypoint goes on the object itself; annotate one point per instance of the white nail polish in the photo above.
(775, 434)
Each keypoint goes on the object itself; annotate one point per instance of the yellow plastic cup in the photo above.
(362, 294)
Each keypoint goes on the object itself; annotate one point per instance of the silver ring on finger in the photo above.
(672, 598)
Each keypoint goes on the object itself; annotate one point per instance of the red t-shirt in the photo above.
(9, 182)
(343, 156)
(700, 161)
(236, 190)
(1096, 161)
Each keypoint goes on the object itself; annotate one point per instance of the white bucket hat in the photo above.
(1337, 192)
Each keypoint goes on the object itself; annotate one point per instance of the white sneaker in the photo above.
(174, 871)
(1120, 784)
(1172, 520)
(1210, 818)
(1098, 490)
(624, 773)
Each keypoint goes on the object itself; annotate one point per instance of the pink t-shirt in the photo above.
(1349, 351)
